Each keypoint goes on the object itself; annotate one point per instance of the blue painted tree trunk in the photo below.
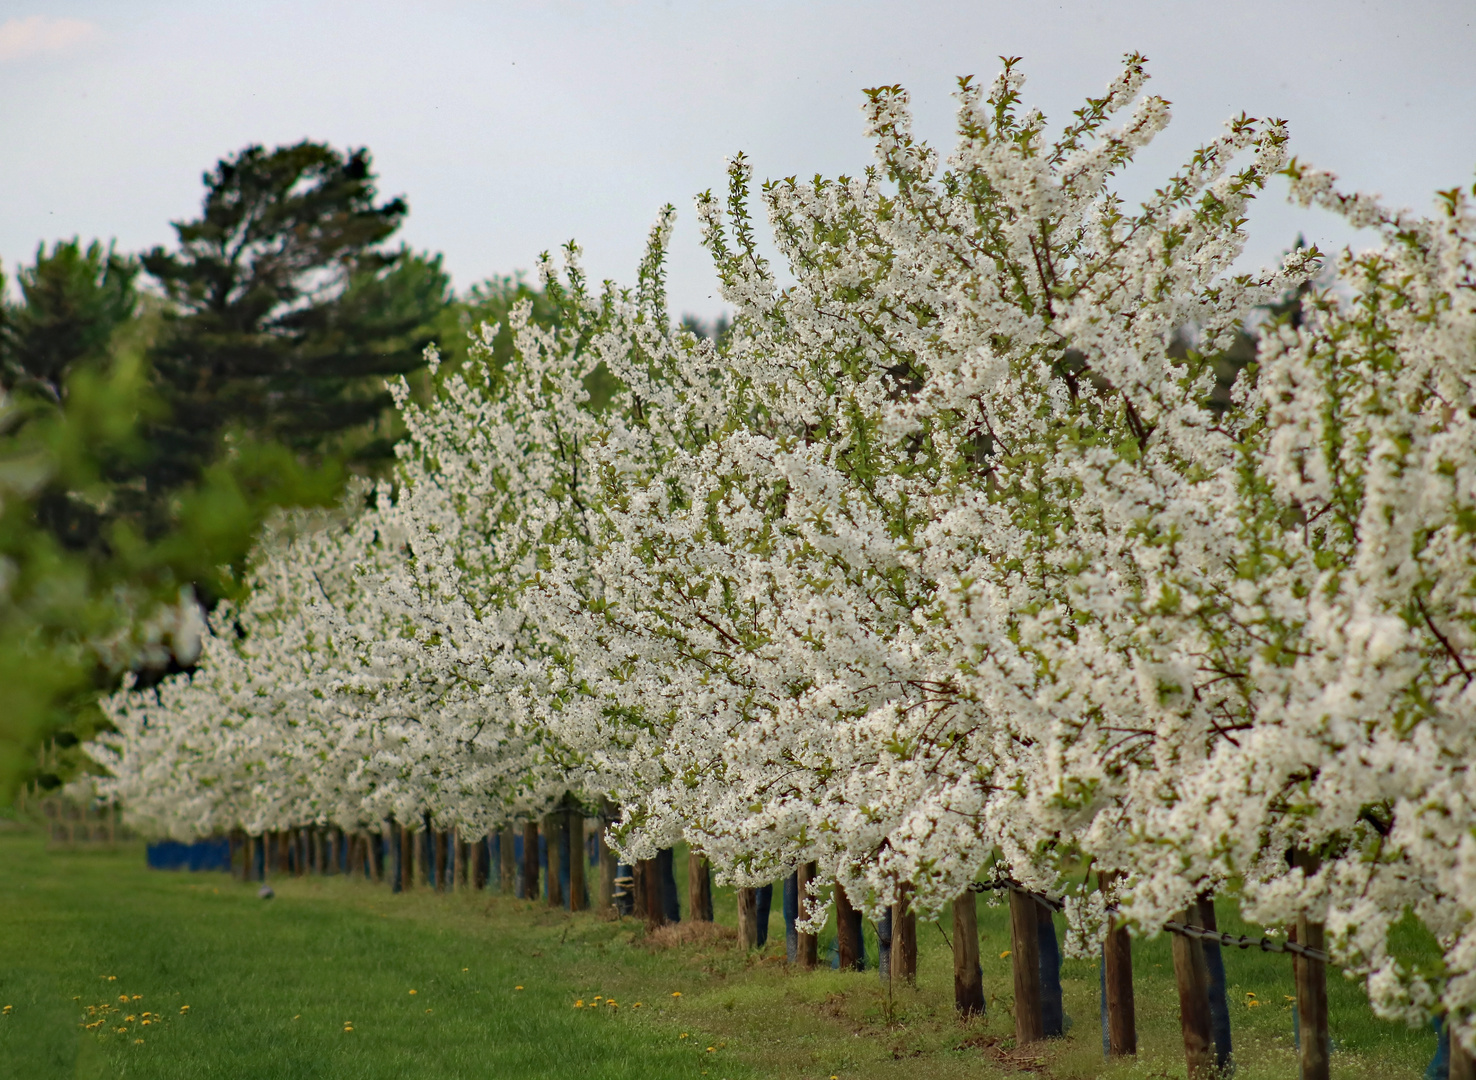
(884, 946)
(791, 915)
(1052, 1015)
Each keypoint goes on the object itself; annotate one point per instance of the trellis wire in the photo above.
(1189, 930)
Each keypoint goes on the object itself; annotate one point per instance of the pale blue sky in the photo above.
(513, 127)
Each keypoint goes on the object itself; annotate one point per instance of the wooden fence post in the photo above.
(848, 941)
(699, 887)
(968, 978)
(1191, 975)
(578, 859)
(1025, 963)
(904, 936)
(530, 859)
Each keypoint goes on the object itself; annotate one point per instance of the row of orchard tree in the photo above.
(965, 558)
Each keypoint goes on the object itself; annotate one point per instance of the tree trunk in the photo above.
(849, 943)
(648, 894)
(395, 838)
(1311, 980)
(609, 870)
(904, 937)
(530, 860)
(1052, 1008)
(791, 915)
(578, 861)
(1219, 1003)
(1117, 965)
(968, 977)
(1462, 1062)
(554, 867)
(481, 862)
(1191, 974)
(699, 887)
(748, 917)
(408, 862)
(1312, 1023)
(809, 944)
(1025, 962)
(507, 866)
(763, 906)
(671, 904)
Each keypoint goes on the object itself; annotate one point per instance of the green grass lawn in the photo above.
(272, 986)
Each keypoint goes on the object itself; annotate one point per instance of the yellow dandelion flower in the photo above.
(1004, 954)
(146, 1023)
(412, 993)
(130, 1019)
(612, 1004)
(137, 997)
(465, 969)
(5, 1010)
(427, 1010)
(517, 987)
(676, 993)
(637, 1005)
(121, 1030)
(112, 978)
(579, 1004)
(599, 997)
(683, 1035)
(138, 1042)
(712, 1049)
(184, 1008)
(123, 998)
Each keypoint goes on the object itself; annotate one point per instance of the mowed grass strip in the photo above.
(317, 983)
(272, 985)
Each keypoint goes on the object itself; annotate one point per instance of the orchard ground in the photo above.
(340, 978)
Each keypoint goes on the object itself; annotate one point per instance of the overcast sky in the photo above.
(514, 127)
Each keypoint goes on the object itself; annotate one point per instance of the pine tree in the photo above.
(289, 313)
